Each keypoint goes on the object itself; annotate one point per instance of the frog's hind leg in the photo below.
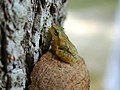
(65, 56)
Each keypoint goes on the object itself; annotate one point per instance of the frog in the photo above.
(61, 46)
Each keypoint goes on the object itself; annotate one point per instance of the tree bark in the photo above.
(23, 36)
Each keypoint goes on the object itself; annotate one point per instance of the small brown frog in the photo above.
(61, 46)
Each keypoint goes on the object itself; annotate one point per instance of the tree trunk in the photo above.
(23, 36)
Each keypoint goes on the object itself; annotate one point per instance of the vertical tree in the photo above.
(23, 36)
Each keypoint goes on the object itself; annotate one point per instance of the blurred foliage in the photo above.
(80, 4)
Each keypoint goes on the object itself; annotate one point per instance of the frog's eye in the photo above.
(56, 33)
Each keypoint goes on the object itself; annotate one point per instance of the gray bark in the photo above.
(23, 36)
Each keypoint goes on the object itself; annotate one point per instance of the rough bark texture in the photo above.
(49, 73)
(23, 37)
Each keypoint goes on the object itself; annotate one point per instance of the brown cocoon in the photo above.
(49, 73)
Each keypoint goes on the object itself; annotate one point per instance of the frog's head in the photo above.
(55, 30)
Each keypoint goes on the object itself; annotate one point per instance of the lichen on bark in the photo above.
(23, 35)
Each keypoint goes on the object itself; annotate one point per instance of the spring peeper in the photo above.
(61, 46)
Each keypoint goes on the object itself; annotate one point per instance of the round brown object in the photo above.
(52, 74)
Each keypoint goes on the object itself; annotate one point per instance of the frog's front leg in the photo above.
(65, 56)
